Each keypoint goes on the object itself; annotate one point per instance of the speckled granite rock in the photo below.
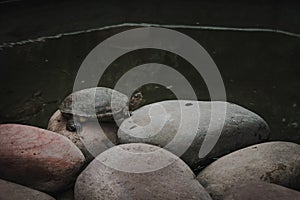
(261, 191)
(38, 158)
(13, 191)
(138, 171)
(159, 123)
(274, 162)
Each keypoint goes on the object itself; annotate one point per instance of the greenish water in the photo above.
(260, 72)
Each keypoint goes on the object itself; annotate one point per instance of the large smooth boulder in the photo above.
(93, 139)
(182, 127)
(38, 158)
(274, 162)
(138, 171)
(261, 191)
(13, 191)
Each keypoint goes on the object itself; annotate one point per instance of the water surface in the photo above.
(260, 72)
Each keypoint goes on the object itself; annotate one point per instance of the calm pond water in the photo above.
(260, 72)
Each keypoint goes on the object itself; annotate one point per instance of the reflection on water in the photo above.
(260, 71)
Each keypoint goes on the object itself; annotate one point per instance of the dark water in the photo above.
(260, 70)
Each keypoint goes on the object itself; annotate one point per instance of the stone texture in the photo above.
(274, 162)
(13, 191)
(138, 171)
(261, 191)
(91, 140)
(159, 123)
(38, 158)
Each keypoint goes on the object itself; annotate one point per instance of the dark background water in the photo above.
(260, 69)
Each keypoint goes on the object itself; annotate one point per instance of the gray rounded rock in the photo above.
(38, 158)
(13, 191)
(274, 162)
(261, 191)
(242, 128)
(92, 139)
(138, 171)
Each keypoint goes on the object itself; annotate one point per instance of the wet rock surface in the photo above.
(191, 122)
(91, 139)
(138, 171)
(274, 162)
(38, 158)
(13, 191)
(261, 191)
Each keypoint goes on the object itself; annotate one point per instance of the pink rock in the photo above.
(38, 158)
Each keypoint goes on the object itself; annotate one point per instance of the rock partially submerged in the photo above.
(138, 171)
(38, 158)
(274, 162)
(92, 139)
(183, 127)
(13, 191)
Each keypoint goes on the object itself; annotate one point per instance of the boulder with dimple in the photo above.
(196, 131)
(38, 158)
(261, 191)
(274, 162)
(138, 171)
(92, 139)
(13, 191)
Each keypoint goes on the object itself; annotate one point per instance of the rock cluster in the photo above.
(162, 146)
